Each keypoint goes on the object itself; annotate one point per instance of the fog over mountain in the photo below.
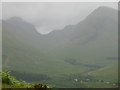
(101, 23)
(87, 30)
(47, 17)
(88, 49)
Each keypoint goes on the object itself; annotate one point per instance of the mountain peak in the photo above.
(103, 13)
(105, 10)
(15, 18)
(104, 7)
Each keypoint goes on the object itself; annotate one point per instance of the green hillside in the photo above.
(78, 52)
(9, 81)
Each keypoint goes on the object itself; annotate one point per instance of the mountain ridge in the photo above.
(96, 35)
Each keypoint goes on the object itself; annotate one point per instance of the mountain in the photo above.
(100, 20)
(18, 38)
(22, 30)
(83, 32)
(75, 49)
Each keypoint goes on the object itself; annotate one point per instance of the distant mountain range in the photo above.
(24, 49)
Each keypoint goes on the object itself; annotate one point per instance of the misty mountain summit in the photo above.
(80, 48)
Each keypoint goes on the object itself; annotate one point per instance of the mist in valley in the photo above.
(63, 45)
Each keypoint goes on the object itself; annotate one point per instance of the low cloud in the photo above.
(47, 17)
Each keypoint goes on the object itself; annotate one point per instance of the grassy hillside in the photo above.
(9, 81)
(78, 52)
(109, 71)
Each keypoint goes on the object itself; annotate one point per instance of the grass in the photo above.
(21, 57)
(109, 73)
(9, 81)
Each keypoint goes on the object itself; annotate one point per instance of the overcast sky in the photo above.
(50, 16)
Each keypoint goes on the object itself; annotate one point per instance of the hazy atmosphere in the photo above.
(60, 45)
(51, 16)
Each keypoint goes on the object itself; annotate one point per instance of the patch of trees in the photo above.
(71, 61)
(74, 62)
(92, 66)
(113, 58)
(29, 76)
